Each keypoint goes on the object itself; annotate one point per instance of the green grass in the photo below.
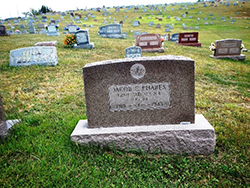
(50, 101)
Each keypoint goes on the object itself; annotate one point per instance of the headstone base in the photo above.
(234, 57)
(4, 128)
(115, 36)
(192, 139)
(53, 34)
(46, 43)
(85, 46)
(190, 44)
(154, 50)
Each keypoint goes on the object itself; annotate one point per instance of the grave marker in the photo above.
(111, 31)
(189, 39)
(3, 31)
(52, 30)
(72, 29)
(228, 48)
(82, 39)
(144, 103)
(150, 42)
(133, 52)
(32, 29)
(40, 55)
(136, 23)
(174, 37)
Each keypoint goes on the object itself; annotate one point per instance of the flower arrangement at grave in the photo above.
(212, 47)
(69, 40)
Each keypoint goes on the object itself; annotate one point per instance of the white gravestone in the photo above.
(40, 55)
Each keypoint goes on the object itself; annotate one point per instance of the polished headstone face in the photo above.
(188, 37)
(228, 47)
(140, 91)
(148, 41)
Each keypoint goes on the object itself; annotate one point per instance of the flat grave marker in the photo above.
(40, 55)
(133, 52)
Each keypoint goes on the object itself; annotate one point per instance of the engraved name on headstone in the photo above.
(149, 42)
(189, 39)
(133, 52)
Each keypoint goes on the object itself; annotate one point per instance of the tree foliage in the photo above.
(45, 9)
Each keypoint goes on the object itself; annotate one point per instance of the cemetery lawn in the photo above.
(50, 101)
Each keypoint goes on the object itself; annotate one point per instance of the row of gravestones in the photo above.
(135, 23)
(44, 18)
(52, 30)
(147, 43)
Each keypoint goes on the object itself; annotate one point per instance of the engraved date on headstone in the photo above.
(148, 96)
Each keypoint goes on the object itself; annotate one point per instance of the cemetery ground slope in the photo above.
(50, 100)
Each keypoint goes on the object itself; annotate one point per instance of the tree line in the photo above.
(44, 9)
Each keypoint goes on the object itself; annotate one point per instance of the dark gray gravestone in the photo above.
(3, 124)
(133, 52)
(144, 103)
(82, 40)
(3, 31)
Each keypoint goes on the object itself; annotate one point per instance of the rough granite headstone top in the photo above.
(139, 91)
